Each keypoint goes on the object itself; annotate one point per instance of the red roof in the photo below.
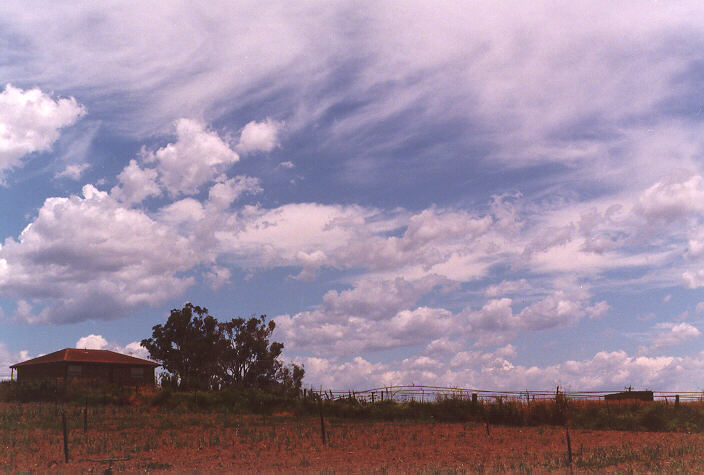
(74, 355)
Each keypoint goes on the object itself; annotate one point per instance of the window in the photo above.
(137, 373)
(75, 370)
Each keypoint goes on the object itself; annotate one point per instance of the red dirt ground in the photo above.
(194, 442)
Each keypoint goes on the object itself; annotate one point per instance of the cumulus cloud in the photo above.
(98, 342)
(73, 172)
(8, 358)
(304, 234)
(699, 309)
(260, 137)
(497, 322)
(92, 342)
(30, 121)
(88, 257)
(372, 315)
(672, 199)
(535, 84)
(351, 334)
(455, 244)
(671, 334)
(197, 157)
(136, 184)
(217, 277)
(384, 314)
(224, 193)
(507, 287)
(693, 279)
(606, 370)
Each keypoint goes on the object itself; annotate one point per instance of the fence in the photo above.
(421, 393)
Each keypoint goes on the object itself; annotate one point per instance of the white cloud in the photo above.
(260, 137)
(217, 277)
(384, 314)
(92, 342)
(8, 358)
(135, 349)
(90, 258)
(305, 234)
(372, 315)
(496, 322)
(223, 194)
(98, 342)
(695, 243)
(693, 279)
(671, 334)
(528, 73)
(136, 184)
(30, 121)
(699, 309)
(560, 309)
(495, 370)
(73, 171)
(187, 211)
(672, 199)
(507, 287)
(197, 157)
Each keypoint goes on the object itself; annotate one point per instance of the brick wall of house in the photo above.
(118, 374)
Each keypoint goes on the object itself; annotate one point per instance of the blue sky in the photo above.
(484, 194)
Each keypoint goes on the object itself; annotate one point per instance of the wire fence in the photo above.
(424, 393)
(404, 393)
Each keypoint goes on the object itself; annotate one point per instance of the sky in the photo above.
(495, 195)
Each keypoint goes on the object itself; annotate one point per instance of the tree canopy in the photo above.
(198, 352)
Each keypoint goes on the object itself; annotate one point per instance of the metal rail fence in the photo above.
(404, 393)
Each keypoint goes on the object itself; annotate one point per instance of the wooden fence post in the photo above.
(677, 400)
(569, 445)
(322, 420)
(63, 423)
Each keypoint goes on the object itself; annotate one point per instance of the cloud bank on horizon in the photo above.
(472, 195)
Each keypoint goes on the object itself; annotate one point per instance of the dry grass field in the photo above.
(148, 439)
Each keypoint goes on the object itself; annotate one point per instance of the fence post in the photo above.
(677, 400)
(63, 423)
(322, 420)
(569, 445)
(474, 399)
(485, 412)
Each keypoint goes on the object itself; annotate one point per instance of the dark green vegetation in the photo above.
(197, 351)
(585, 414)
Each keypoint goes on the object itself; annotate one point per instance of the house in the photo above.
(87, 365)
